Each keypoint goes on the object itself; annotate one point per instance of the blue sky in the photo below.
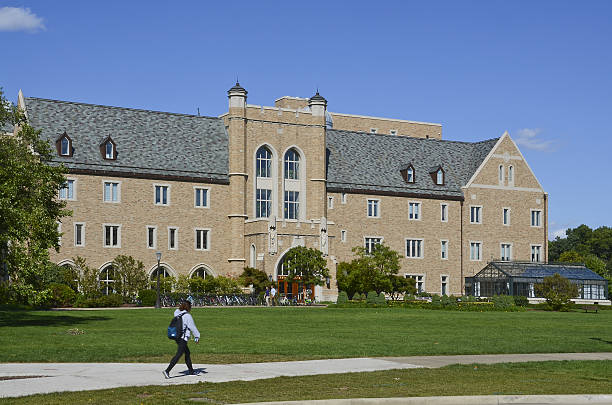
(540, 69)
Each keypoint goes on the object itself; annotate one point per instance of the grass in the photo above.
(563, 377)
(234, 335)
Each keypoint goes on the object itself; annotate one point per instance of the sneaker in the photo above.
(194, 372)
(166, 374)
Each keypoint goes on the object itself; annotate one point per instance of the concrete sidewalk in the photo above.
(20, 379)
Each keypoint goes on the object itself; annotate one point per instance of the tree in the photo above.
(29, 208)
(88, 278)
(557, 290)
(133, 275)
(306, 265)
(401, 285)
(257, 278)
(376, 267)
(346, 279)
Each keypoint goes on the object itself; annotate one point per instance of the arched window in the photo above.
(292, 165)
(201, 272)
(253, 257)
(410, 175)
(65, 147)
(511, 175)
(264, 162)
(163, 272)
(440, 177)
(109, 150)
(501, 174)
(109, 278)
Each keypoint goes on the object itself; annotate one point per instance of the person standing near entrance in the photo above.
(267, 296)
(189, 327)
(273, 295)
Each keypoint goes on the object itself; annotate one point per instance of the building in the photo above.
(216, 194)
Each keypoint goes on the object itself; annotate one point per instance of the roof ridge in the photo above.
(120, 108)
(413, 137)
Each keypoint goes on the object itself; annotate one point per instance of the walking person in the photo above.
(267, 296)
(189, 327)
(273, 295)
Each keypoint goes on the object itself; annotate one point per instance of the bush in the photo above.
(357, 297)
(503, 301)
(435, 301)
(61, 295)
(521, 301)
(381, 299)
(447, 301)
(371, 298)
(147, 297)
(342, 298)
(105, 301)
(558, 292)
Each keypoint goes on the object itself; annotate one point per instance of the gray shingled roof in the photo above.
(541, 270)
(372, 162)
(148, 142)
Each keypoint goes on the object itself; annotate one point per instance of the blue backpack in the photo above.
(175, 330)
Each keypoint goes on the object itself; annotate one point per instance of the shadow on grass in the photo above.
(601, 340)
(24, 318)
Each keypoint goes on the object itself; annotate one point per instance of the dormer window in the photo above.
(64, 145)
(108, 149)
(437, 175)
(408, 173)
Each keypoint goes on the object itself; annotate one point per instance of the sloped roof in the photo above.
(148, 142)
(360, 161)
(541, 270)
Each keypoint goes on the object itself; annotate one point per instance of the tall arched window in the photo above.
(293, 192)
(108, 280)
(511, 175)
(292, 165)
(501, 174)
(201, 272)
(253, 257)
(163, 272)
(263, 192)
(65, 149)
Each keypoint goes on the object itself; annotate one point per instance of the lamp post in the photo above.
(157, 302)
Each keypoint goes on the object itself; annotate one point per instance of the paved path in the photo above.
(19, 379)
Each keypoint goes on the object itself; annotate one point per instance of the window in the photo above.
(111, 191)
(475, 214)
(151, 237)
(414, 248)
(475, 251)
(263, 203)
(501, 174)
(292, 204)
(67, 190)
(414, 210)
(59, 232)
(79, 234)
(292, 165)
(444, 212)
(109, 151)
(536, 218)
(536, 253)
(393, 132)
(65, 146)
(201, 272)
(172, 238)
(440, 177)
(253, 257)
(162, 195)
(506, 252)
(108, 277)
(201, 239)
(163, 273)
(373, 130)
(419, 281)
(330, 202)
(112, 235)
(264, 162)
(443, 285)
(343, 198)
(370, 242)
(408, 174)
(373, 211)
(343, 236)
(444, 249)
(201, 197)
(510, 175)
(506, 216)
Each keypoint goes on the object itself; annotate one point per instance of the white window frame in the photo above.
(539, 253)
(82, 224)
(373, 130)
(539, 217)
(478, 217)
(196, 190)
(330, 202)
(343, 236)
(376, 202)
(443, 252)
(365, 242)
(506, 221)
(418, 278)
(161, 204)
(59, 231)
(175, 229)
(501, 251)
(67, 188)
(418, 206)
(112, 150)
(118, 241)
(195, 239)
(154, 228)
(443, 211)
(422, 248)
(479, 244)
(118, 183)
(64, 138)
(440, 177)
(343, 198)
(446, 282)
(393, 131)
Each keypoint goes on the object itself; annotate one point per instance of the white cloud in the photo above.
(529, 138)
(558, 233)
(19, 19)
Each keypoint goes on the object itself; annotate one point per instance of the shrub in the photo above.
(408, 297)
(503, 301)
(521, 301)
(105, 301)
(381, 299)
(147, 297)
(364, 297)
(558, 292)
(435, 301)
(342, 298)
(61, 295)
(357, 297)
(447, 301)
(371, 298)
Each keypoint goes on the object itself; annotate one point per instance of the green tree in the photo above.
(401, 286)
(557, 290)
(306, 265)
(346, 279)
(88, 278)
(372, 270)
(133, 276)
(255, 277)
(29, 208)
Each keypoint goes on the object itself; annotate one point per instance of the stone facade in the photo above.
(435, 246)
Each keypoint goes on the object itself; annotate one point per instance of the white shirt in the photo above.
(188, 324)
(273, 292)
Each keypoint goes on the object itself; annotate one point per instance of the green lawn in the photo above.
(268, 334)
(563, 377)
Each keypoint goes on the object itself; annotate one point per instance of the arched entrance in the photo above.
(296, 291)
